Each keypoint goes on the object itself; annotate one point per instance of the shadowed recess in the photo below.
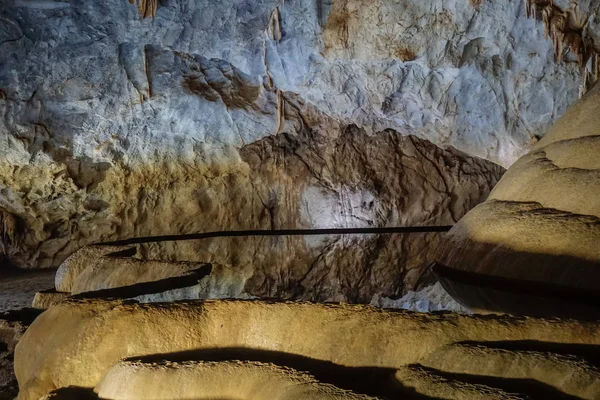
(372, 381)
(528, 387)
(158, 286)
(279, 232)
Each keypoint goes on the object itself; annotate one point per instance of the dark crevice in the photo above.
(153, 287)
(372, 381)
(75, 393)
(518, 296)
(587, 352)
(129, 252)
(529, 387)
(279, 232)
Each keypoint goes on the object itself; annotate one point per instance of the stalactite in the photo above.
(568, 31)
(146, 8)
(11, 231)
(274, 28)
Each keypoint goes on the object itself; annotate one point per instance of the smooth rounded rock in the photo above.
(533, 247)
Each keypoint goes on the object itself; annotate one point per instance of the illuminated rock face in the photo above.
(539, 230)
(300, 181)
(379, 353)
(115, 125)
(131, 380)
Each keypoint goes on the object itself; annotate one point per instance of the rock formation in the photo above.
(116, 126)
(122, 121)
(568, 28)
(539, 230)
(359, 348)
(215, 380)
(298, 181)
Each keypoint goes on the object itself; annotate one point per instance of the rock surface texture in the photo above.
(384, 354)
(541, 224)
(301, 181)
(113, 125)
(135, 380)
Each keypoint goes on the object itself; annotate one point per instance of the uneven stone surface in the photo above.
(541, 223)
(95, 272)
(47, 298)
(10, 333)
(301, 181)
(578, 376)
(135, 380)
(18, 288)
(429, 298)
(435, 385)
(116, 126)
(75, 343)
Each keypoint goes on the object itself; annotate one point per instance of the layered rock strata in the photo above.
(369, 351)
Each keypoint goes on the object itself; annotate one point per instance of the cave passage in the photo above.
(280, 232)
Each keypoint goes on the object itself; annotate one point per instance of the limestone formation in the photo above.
(135, 380)
(146, 8)
(567, 27)
(292, 181)
(358, 348)
(47, 298)
(579, 376)
(539, 230)
(114, 126)
(155, 118)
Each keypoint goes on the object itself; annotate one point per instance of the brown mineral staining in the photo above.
(567, 28)
(146, 8)
(405, 54)
(476, 3)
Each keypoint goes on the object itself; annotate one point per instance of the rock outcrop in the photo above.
(114, 125)
(369, 351)
(539, 228)
(293, 181)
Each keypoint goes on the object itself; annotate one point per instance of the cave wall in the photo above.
(115, 125)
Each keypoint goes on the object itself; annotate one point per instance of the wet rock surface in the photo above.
(309, 181)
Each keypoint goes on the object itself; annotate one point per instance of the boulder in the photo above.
(534, 245)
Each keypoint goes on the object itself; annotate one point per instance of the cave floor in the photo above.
(17, 288)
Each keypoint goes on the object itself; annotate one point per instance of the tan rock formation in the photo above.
(135, 380)
(48, 298)
(432, 384)
(146, 8)
(541, 223)
(578, 377)
(109, 272)
(76, 343)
